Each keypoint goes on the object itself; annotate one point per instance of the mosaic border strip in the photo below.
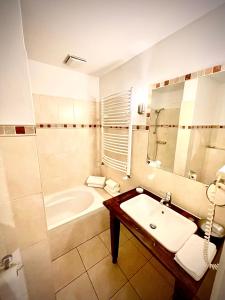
(204, 72)
(17, 130)
(22, 130)
(48, 125)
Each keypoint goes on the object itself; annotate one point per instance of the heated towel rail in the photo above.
(117, 131)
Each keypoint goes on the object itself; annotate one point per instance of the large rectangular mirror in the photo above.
(187, 127)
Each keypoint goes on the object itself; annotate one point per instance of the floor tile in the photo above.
(105, 237)
(106, 278)
(130, 259)
(163, 271)
(92, 252)
(80, 289)
(150, 285)
(126, 293)
(127, 233)
(66, 268)
(141, 248)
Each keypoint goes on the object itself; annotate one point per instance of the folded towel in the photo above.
(191, 256)
(112, 184)
(112, 193)
(96, 185)
(115, 190)
(96, 180)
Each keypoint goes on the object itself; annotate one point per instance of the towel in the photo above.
(96, 185)
(96, 180)
(112, 193)
(191, 256)
(112, 184)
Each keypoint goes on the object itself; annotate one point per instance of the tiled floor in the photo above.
(87, 273)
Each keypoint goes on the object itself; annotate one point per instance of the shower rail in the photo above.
(116, 112)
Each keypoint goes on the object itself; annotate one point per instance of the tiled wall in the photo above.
(22, 191)
(67, 144)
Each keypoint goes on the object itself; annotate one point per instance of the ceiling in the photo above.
(105, 33)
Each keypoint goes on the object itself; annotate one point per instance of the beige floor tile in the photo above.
(106, 278)
(141, 248)
(130, 259)
(163, 271)
(105, 237)
(79, 289)
(126, 293)
(92, 252)
(66, 268)
(150, 285)
(127, 233)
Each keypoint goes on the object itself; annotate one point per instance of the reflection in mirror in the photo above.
(207, 145)
(187, 127)
(164, 110)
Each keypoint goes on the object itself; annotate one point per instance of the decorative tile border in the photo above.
(17, 130)
(204, 72)
(22, 130)
(68, 126)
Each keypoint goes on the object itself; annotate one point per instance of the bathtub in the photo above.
(68, 205)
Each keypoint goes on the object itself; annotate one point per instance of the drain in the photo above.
(153, 226)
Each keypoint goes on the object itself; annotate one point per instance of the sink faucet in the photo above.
(166, 199)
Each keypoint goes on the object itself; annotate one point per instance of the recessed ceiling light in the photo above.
(74, 60)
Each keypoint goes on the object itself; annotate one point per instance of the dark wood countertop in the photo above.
(166, 258)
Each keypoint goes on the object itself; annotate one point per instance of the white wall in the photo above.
(55, 81)
(194, 47)
(16, 106)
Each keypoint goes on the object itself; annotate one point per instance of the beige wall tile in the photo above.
(108, 275)
(126, 293)
(79, 289)
(68, 236)
(30, 220)
(38, 271)
(130, 259)
(62, 154)
(92, 251)
(48, 109)
(66, 109)
(148, 283)
(21, 165)
(66, 268)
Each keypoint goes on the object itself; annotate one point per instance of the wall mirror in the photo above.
(187, 127)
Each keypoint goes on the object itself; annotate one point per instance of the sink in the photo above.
(168, 227)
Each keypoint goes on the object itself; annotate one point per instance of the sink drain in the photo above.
(153, 226)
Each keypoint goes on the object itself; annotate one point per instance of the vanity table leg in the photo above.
(115, 235)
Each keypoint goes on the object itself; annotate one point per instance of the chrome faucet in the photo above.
(166, 199)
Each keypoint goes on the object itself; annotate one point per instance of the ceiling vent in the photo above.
(74, 61)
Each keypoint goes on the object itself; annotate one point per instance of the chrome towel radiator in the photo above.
(116, 121)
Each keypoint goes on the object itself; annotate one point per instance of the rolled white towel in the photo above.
(99, 180)
(191, 256)
(112, 184)
(96, 185)
(114, 190)
(112, 193)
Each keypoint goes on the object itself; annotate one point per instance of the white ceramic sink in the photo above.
(168, 227)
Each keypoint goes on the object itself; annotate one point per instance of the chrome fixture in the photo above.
(141, 109)
(166, 199)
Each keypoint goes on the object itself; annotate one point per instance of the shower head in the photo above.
(157, 111)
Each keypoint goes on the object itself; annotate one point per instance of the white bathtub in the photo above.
(65, 206)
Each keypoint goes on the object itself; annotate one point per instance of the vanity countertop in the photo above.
(184, 283)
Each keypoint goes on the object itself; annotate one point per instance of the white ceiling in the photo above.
(105, 33)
